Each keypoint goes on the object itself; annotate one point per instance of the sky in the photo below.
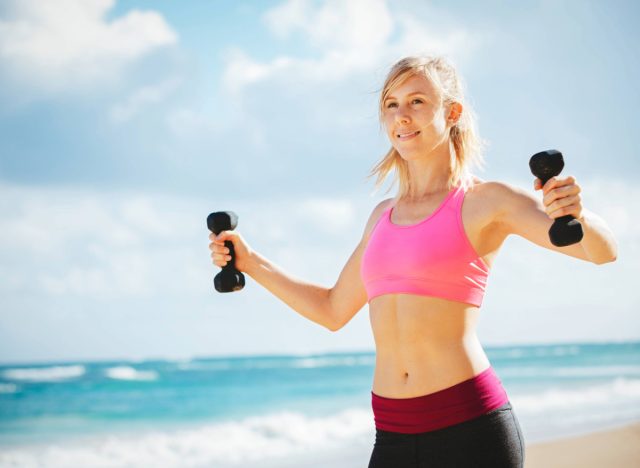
(124, 124)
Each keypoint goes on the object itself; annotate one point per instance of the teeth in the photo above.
(401, 135)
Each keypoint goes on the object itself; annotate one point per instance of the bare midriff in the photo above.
(423, 344)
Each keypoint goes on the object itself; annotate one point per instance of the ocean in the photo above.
(277, 410)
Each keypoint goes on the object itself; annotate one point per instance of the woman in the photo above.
(422, 265)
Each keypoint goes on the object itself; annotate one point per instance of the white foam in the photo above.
(342, 361)
(571, 371)
(235, 443)
(45, 374)
(543, 351)
(300, 362)
(129, 373)
(204, 366)
(8, 388)
(618, 391)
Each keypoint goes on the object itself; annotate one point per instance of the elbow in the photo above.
(613, 255)
(608, 260)
(334, 325)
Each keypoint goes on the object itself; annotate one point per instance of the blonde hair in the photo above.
(467, 145)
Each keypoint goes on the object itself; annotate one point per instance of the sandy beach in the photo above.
(616, 447)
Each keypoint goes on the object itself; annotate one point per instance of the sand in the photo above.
(615, 448)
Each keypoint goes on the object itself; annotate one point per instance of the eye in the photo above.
(420, 101)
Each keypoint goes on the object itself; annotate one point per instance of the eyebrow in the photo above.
(410, 94)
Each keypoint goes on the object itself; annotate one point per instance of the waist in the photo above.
(461, 402)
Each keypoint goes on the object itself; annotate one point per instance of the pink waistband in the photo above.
(461, 402)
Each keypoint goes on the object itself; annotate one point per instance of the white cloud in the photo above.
(124, 111)
(60, 45)
(115, 274)
(351, 37)
(328, 215)
(89, 243)
(74, 243)
(241, 70)
(335, 24)
(285, 18)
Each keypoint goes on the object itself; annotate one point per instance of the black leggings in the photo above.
(493, 440)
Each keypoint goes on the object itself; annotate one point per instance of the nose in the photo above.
(402, 117)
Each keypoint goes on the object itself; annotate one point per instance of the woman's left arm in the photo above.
(525, 215)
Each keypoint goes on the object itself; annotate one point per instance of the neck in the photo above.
(429, 175)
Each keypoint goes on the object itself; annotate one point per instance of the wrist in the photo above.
(252, 263)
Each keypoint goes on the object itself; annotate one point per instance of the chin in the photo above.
(411, 155)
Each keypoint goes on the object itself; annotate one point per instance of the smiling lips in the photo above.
(407, 136)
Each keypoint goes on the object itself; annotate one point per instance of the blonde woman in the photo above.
(422, 265)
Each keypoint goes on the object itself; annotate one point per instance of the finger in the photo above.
(217, 246)
(215, 239)
(220, 251)
(568, 203)
(220, 258)
(216, 242)
(549, 185)
(566, 210)
(561, 182)
(561, 193)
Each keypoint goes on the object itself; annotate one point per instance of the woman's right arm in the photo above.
(330, 307)
(309, 300)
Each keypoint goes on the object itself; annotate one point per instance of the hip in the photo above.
(493, 439)
(461, 402)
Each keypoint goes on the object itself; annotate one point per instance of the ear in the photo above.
(455, 110)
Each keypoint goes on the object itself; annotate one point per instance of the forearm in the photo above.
(309, 300)
(598, 241)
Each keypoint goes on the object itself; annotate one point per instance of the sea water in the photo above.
(247, 411)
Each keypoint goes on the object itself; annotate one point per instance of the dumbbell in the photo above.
(229, 279)
(565, 230)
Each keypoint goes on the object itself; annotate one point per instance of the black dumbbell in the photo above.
(229, 279)
(565, 230)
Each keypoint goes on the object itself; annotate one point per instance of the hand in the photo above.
(220, 253)
(561, 197)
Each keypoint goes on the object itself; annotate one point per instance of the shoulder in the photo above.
(375, 215)
(502, 198)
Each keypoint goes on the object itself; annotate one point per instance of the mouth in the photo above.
(407, 136)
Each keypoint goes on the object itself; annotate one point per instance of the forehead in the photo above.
(414, 83)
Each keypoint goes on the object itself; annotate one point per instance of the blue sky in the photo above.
(124, 124)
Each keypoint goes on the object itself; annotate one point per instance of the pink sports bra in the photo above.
(431, 258)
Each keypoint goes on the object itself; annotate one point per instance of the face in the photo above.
(414, 117)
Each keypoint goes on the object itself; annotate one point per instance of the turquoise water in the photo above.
(238, 409)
